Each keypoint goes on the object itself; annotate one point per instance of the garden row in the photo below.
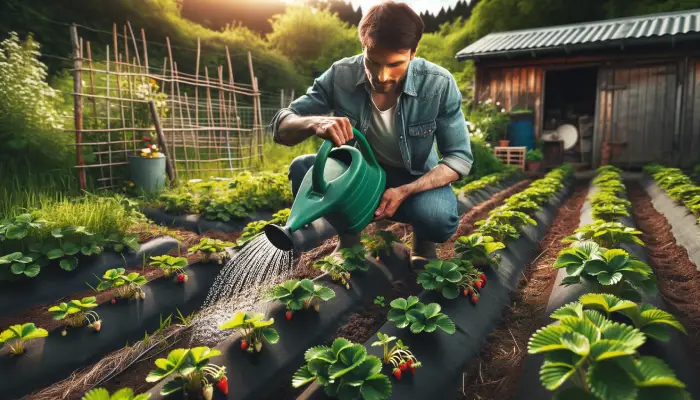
(252, 377)
(611, 337)
(146, 315)
(677, 197)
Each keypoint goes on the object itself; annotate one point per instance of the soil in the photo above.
(494, 374)
(678, 278)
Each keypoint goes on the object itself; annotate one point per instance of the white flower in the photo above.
(503, 110)
(498, 103)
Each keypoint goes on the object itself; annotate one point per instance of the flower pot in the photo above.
(148, 174)
(503, 143)
(534, 166)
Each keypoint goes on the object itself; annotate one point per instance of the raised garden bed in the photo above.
(672, 352)
(442, 355)
(196, 223)
(682, 220)
(54, 283)
(52, 359)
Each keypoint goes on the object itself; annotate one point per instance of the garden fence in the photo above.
(212, 123)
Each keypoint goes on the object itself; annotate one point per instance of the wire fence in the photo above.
(212, 124)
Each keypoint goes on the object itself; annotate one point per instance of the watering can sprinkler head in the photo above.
(280, 237)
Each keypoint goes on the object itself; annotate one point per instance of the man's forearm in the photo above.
(439, 176)
(294, 129)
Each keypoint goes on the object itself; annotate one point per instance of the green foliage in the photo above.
(421, 317)
(609, 212)
(399, 355)
(515, 219)
(190, 368)
(224, 200)
(479, 249)
(16, 336)
(606, 234)
(355, 258)
(379, 300)
(127, 285)
(76, 312)
(336, 268)
(121, 394)
(448, 277)
(600, 358)
(345, 371)
(534, 155)
(467, 186)
(647, 318)
(605, 198)
(611, 270)
(253, 229)
(487, 120)
(211, 249)
(300, 294)
(503, 233)
(312, 39)
(254, 328)
(678, 185)
(380, 241)
(169, 265)
(30, 117)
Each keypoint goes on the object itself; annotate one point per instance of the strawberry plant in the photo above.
(176, 202)
(16, 336)
(648, 319)
(606, 234)
(297, 295)
(255, 228)
(399, 356)
(254, 329)
(379, 300)
(503, 233)
(614, 271)
(525, 206)
(354, 258)
(21, 264)
(420, 317)
(345, 371)
(171, 266)
(603, 198)
(121, 242)
(516, 219)
(479, 249)
(128, 286)
(212, 249)
(121, 394)
(380, 241)
(77, 312)
(20, 226)
(191, 369)
(683, 193)
(612, 187)
(599, 358)
(335, 268)
(609, 212)
(447, 277)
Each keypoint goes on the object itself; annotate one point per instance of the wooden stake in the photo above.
(94, 102)
(172, 97)
(145, 50)
(78, 106)
(161, 139)
(182, 125)
(224, 117)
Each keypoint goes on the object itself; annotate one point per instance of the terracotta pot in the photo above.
(534, 166)
(503, 143)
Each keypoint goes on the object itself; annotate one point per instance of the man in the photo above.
(403, 105)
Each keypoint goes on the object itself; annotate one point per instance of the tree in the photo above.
(312, 38)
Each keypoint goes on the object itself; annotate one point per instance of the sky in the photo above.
(418, 5)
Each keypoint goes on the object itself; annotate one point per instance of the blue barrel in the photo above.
(521, 131)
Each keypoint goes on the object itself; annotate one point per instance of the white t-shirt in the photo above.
(383, 136)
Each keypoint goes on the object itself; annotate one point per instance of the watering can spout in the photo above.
(344, 185)
(279, 236)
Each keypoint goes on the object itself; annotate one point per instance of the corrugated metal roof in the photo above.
(589, 34)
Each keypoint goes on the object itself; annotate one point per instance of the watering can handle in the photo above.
(318, 182)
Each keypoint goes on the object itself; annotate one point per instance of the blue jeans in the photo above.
(433, 213)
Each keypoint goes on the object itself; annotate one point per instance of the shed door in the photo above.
(637, 112)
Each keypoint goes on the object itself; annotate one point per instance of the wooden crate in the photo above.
(511, 155)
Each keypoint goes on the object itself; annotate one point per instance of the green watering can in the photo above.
(344, 185)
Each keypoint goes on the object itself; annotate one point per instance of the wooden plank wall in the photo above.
(690, 117)
(522, 87)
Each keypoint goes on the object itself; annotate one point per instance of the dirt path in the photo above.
(494, 374)
(679, 280)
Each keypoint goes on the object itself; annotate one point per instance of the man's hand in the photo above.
(390, 202)
(337, 129)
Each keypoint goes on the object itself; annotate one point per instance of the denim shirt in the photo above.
(428, 111)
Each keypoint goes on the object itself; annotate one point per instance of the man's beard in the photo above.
(386, 87)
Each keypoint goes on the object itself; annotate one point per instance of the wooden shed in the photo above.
(630, 86)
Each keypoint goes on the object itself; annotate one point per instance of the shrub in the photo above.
(534, 155)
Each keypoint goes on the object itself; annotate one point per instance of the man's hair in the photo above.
(391, 26)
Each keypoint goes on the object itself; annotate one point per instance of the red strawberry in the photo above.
(475, 299)
(397, 374)
(466, 292)
(483, 277)
(114, 301)
(244, 344)
(181, 278)
(413, 370)
(409, 363)
(478, 284)
(403, 366)
(288, 315)
(222, 385)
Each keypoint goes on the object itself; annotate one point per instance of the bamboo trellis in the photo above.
(212, 125)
